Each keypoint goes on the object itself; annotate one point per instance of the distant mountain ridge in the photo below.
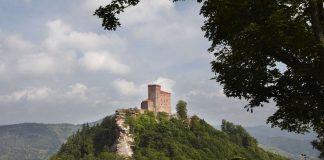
(33, 141)
(286, 143)
(283, 141)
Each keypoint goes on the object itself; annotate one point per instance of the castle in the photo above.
(158, 100)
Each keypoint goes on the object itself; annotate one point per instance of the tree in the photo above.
(239, 135)
(264, 51)
(182, 110)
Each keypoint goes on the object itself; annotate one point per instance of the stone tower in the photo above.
(158, 100)
(154, 94)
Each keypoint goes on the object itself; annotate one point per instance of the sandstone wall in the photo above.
(124, 139)
(165, 102)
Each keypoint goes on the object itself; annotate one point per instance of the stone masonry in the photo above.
(158, 100)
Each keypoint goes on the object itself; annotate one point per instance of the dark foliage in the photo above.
(157, 136)
(90, 142)
(182, 109)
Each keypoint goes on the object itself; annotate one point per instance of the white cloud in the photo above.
(56, 33)
(46, 63)
(159, 22)
(128, 88)
(77, 91)
(29, 94)
(220, 93)
(94, 4)
(37, 64)
(194, 93)
(165, 32)
(147, 11)
(103, 61)
(62, 36)
(15, 43)
(61, 51)
(2, 68)
(89, 45)
(166, 83)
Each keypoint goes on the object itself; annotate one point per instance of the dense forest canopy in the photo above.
(164, 137)
(250, 41)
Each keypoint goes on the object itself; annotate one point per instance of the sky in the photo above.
(58, 65)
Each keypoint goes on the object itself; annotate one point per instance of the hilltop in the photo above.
(161, 136)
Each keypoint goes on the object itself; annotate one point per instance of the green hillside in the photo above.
(162, 137)
(32, 141)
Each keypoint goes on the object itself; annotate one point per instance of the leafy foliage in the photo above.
(182, 109)
(107, 13)
(90, 143)
(173, 139)
(239, 135)
(161, 137)
(251, 46)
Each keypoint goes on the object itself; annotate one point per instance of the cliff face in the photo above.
(124, 139)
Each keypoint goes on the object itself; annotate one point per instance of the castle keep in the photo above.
(158, 100)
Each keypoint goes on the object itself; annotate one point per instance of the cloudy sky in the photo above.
(57, 64)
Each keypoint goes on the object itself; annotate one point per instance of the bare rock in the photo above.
(124, 140)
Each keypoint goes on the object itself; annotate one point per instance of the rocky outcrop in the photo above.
(124, 139)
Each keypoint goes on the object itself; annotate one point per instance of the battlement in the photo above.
(154, 85)
(158, 100)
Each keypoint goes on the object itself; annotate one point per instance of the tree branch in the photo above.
(294, 63)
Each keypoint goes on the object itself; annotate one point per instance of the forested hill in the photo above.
(161, 137)
(33, 141)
